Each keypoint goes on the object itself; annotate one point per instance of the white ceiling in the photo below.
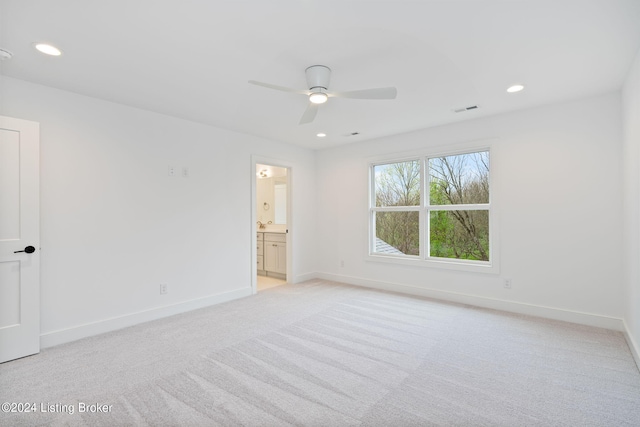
(192, 58)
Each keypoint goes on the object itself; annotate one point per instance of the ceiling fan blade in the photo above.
(309, 114)
(378, 93)
(282, 88)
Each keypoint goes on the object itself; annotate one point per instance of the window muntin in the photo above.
(452, 220)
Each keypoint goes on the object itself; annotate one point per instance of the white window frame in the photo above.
(424, 209)
(373, 208)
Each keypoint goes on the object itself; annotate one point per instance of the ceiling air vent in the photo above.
(463, 109)
(5, 54)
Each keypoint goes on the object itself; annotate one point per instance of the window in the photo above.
(448, 223)
(397, 207)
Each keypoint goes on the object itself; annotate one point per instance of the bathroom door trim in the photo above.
(255, 160)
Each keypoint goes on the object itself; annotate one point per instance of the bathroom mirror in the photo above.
(280, 200)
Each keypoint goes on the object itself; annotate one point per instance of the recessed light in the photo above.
(321, 135)
(515, 88)
(47, 49)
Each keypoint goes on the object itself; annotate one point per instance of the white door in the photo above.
(19, 238)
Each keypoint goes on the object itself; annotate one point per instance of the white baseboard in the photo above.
(62, 336)
(304, 277)
(479, 301)
(633, 345)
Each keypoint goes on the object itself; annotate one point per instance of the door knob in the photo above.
(28, 249)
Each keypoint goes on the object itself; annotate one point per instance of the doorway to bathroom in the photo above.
(272, 217)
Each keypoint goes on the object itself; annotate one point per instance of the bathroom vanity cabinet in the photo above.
(272, 254)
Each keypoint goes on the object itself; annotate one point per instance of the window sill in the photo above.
(456, 265)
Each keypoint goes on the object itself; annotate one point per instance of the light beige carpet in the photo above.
(326, 354)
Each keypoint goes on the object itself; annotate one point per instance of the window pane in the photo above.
(459, 234)
(397, 233)
(397, 184)
(460, 179)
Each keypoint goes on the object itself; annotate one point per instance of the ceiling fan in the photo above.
(318, 77)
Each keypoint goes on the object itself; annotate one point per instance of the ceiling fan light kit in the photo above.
(318, 97)
(318, 77)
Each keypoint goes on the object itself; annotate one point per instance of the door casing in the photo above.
(255, 160)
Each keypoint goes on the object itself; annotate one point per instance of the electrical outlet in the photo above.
(164, 288)
(171, 171)
(341, 263)
(507, 283)
(185, 172)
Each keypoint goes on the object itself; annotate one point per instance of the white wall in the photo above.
(631, 126)
(557, 188)
(115, 225)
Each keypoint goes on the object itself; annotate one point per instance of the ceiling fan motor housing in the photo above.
(318, 77)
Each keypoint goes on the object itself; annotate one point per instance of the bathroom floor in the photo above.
(265, 282)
